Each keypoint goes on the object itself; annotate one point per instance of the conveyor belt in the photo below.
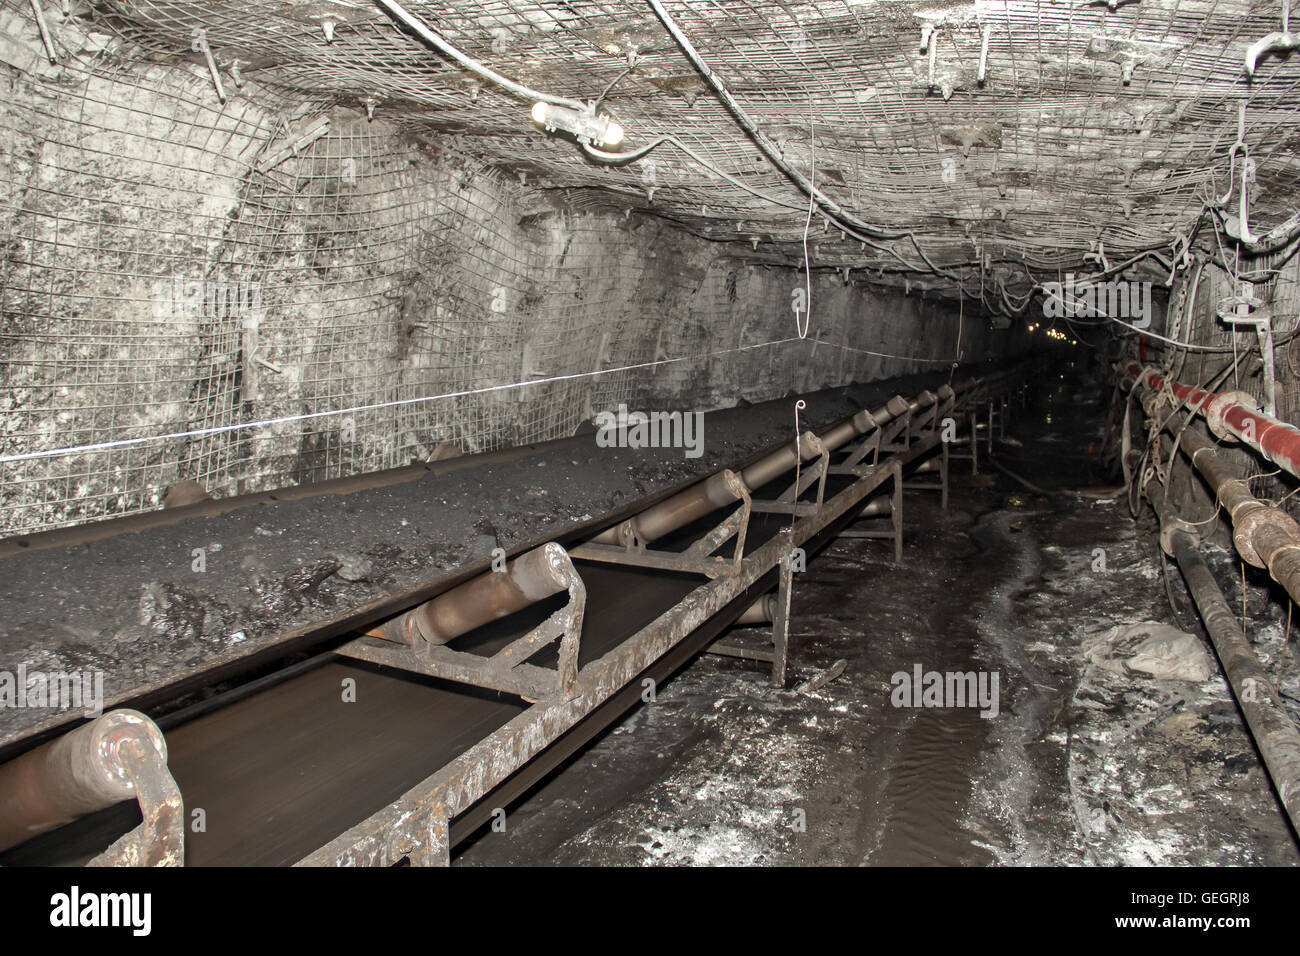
(76, 598)
(280, 773)
(284, 771)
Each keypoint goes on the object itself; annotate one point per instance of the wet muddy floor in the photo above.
(1070, 757)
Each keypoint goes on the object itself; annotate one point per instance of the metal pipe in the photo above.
(1275, 734)
(1227, 414)
(527, 579)
(83, 771)
(760, 612)
(1265, 536)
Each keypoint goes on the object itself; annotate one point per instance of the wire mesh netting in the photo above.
(267, 291)
(261, 242)
(1011, 138)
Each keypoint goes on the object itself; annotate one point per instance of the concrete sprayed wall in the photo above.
(255, 299)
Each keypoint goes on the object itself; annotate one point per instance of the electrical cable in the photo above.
(807, 263)
(443, 46)
(849, 224)
(765, 145)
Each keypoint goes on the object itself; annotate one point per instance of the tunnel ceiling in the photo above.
(1099, 131)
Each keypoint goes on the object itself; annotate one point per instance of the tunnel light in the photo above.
(586, 125)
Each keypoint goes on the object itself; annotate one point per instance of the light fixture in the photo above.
(586, 125)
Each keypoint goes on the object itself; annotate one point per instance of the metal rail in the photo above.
(416, 828)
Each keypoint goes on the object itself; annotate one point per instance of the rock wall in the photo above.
(253, 298)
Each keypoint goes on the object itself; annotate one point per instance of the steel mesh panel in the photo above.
(179, 266)
(1092, 124)
(214, 292)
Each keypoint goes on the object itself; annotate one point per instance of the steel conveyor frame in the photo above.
(568, 705)
(417, 828)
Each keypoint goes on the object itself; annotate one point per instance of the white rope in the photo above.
(398, 403)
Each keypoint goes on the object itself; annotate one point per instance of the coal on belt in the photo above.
(281, 772)
(283, 574)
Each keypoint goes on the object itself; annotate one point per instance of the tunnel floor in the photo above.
(1085, 762)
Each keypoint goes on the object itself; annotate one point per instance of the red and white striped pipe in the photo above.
(1232, 414)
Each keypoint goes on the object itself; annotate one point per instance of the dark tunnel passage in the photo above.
(638, 433)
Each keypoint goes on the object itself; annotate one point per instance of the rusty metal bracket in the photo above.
(927, 422)
(508, 669)
(778, 652)
(857, 452)
(899, 427)
(159, 840)
(788, 503)
(940, 464)
(971, 441)
(119, 756)
(989, 436)
(893, 469)
(699, 557)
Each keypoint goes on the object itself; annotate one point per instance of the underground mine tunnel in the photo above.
(649, 433)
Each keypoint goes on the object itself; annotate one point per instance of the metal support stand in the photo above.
(889, 439)
(852, 465)
(894, 469)
(971, 441)
(778, 652)
(788, 503)
(507, 669)
(928, 421)
(781, 620)
(938, 463)
(699, 557)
